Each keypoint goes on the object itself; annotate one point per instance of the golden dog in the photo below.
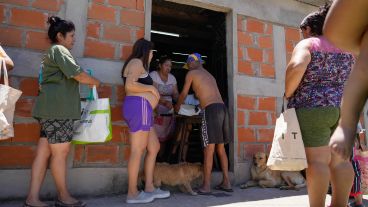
(266, 178)
(180, 175)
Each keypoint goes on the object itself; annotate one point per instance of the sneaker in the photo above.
(158, 193)
(142, 197)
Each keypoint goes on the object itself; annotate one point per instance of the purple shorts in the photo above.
(137, 112)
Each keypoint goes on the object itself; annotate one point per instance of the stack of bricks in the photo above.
(255, 48)
(113, 27)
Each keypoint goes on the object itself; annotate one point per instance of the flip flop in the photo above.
(222, 188)
(203, 193)
(29, 205)
(59, 203)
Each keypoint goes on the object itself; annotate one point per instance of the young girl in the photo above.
(56, 108)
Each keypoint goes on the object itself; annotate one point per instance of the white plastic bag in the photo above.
(95, 123)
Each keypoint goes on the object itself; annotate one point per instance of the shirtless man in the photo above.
(346, 26)
(215, 121)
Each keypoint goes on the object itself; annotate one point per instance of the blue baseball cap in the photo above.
(193, 57)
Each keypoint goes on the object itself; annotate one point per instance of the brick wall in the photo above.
(255, 48)
(256, 123)
(292, 37)
(113, 27)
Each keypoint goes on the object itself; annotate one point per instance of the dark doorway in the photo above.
(189, 29)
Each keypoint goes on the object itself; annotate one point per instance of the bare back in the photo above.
(205, 87)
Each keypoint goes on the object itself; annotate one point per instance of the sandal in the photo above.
(222, 188)
(59, 203)
(29, 205)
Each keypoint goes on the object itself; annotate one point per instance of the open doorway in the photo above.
(178, 30)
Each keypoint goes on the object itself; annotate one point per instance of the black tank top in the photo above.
(144, 79)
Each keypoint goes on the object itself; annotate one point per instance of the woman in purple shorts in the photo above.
(141, 98)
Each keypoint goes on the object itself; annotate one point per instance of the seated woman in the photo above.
(167, 87)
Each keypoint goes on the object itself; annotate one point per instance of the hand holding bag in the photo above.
(95, 123)
(8, 97)
(287, 151)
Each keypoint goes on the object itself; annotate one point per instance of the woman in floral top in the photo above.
(314, 83)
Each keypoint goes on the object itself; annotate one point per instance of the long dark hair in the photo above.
(141, 50)
(58, 25)
(315, 20)
(162, 60)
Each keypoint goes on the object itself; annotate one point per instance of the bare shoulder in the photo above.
(135, 66)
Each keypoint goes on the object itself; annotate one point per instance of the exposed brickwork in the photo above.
(255, 48)
(113, 27)
(256, 122)
(292, 37)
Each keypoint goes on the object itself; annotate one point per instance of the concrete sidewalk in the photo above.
(252, 197)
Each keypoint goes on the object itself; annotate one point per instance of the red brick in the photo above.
(16, 2)
(120, 90)
(270, 56)
(79, 153)
(51, 5)
(101, 12)
(246, 68)
(102, 154)
(130, 4)
(267, 103)
(121, 34)
(265, 135)
(292, 34)
(37, 40)
(245, 38)
(11, 37)
(28, 18)
(257, 118)
(120, 134)
(269, 29)
(116, 113)
(139, 34)
(29, 87)
(267, 70)
(246, 102)
(26, 132)
(93, 30)
(126, 51)
(24, 107)
(246, 135)
(99, 49)
(255, 26)
(268, 148)
(104, 91)
(273, 118)
(254, 54)
(241, 118)
(16, 156)
(240, 53)
(140, 5)
(2, 13)
(133, 18)
(265, 42)
(251, 149)
(289, 46)
(126, 153)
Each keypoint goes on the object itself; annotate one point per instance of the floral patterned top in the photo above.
(324, 79)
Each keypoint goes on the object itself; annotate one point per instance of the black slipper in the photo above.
(220, 187)
(203, 193)
(29, 205)
(59, 203)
